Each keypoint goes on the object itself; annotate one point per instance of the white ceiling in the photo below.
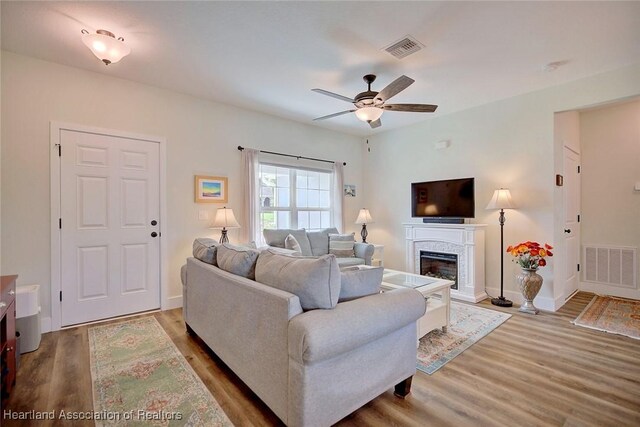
(267, 56)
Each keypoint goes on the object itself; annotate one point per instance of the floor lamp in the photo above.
(501, 200)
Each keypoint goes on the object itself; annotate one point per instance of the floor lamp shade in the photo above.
(501, 200)
(364, 218)
(224, 219)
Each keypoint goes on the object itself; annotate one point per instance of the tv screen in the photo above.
(453, 198)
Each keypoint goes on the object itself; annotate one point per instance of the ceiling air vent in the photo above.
(405, 47)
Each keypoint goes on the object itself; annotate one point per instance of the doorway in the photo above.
(107, 192)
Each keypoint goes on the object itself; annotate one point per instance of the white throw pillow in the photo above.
(291, 243)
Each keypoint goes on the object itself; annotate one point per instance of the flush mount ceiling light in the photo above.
(105, 46)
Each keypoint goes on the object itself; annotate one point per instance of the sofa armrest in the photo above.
(364, 250)
(322, 334)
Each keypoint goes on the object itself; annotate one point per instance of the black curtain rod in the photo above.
(240, 147)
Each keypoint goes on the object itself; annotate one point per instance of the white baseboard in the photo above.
(604, 289)
(172, 302)
(543, 303)
(45, 324)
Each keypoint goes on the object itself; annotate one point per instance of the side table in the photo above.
(378, 255)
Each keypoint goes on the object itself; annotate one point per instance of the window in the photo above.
(294, 197)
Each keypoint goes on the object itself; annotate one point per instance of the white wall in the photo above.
(509, 143)
(201, 139)
(610, 139)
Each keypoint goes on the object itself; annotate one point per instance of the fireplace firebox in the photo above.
(440, 265)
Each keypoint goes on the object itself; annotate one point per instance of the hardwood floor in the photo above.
(531, 371)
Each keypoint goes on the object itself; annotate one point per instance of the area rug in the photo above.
(140, 378)
(611, 314)
(469, 324)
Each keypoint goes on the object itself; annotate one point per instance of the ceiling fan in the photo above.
(370, 104)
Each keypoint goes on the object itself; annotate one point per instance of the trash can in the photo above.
(28, 317)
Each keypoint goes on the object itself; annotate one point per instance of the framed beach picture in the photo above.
(211, 189)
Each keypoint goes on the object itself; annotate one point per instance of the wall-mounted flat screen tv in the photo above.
(452, 198)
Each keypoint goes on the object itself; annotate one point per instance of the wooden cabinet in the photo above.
(7, 337)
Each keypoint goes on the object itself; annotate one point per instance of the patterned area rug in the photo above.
(469, 324)
(610, 314)
(140, 378)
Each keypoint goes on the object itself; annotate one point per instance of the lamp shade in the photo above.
(501, 200)
(364, 217)
(105, 46)
(369, 114)
(225, 219)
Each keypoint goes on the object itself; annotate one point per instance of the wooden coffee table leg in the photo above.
(403, 388)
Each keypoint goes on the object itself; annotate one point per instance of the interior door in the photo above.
(571, 173)
(110, 206)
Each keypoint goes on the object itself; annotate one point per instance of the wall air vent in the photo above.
(610, 265)
(405, 47)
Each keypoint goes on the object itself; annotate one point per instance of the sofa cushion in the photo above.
(238, 260)
(205, 249)
(319, 240)
(358, 283)
(341, 245)
(291, 243)
(315, 281)
(276, 237)
(351, 261)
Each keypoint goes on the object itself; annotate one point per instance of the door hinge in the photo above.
(60, 296)
(578, 267)
(60, 223)
(578, 217)
(578, 169)
(59, 149)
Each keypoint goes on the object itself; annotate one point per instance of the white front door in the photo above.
(571, 174)
(110, 243)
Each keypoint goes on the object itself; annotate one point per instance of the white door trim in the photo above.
(55, 172)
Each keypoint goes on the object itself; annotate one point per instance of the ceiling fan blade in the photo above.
(375, 124)
(394, 88)
(334, 115)
(415, 108)
(333, 95)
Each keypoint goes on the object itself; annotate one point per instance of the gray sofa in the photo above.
(316, 243)
(312, 368)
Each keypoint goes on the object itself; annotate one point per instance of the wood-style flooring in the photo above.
(531, 371)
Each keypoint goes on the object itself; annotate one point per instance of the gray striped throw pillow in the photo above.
(341, 245)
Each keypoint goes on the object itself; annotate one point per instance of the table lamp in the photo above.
(501, 200)
(364, 218)
(224, 219)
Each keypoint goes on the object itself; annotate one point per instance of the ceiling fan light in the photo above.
(105, 46)
(369, 114)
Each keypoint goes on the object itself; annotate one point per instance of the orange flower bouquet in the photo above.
(530, 255)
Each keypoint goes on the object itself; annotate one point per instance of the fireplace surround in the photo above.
(464, 242)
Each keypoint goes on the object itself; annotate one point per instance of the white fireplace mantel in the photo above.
(464, 240)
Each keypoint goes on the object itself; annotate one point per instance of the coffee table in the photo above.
(437, 293)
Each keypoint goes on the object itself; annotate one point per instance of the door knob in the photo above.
(567, 230)
(154, 234)
(154, 222)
